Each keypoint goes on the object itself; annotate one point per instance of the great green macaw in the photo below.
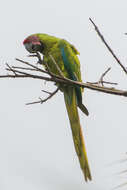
(65, 56)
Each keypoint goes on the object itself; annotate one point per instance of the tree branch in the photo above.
(108, 47)
(51, 94)
(57, 79)
(101, 81)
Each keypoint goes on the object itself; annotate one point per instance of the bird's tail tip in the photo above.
(87, 175)
(83, 109)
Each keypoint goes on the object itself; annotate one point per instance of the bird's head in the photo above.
(33, 44)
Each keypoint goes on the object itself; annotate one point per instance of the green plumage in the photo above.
(65, 56)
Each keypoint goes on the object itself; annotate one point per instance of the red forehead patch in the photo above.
(31, 39)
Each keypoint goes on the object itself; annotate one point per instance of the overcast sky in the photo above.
(36, 147)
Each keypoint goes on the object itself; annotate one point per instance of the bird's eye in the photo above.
(33, 47)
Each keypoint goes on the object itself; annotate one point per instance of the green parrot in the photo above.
(60, 57)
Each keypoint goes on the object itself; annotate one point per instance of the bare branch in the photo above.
(56, 65)
(24, 74)
(13, 76)
(58, 79)
(108, 47)
(38, 69)
(24, 68)
(46, 92)
(67, 81)
(104, 82)
(103, 74)
(51, 94)
(101, 81)
(10, 69)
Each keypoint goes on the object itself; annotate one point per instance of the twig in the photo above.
(38, 69)
(14, 76)
(51, 94)
(102, 76)
(101, 81)
(10, 69)
(24, 68)
(108, 47)
(104, 82)
(58, 79)
(24, 74)
(56, 65)
(46, 92)
(68, 82)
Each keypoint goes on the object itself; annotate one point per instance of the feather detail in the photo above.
(77, 131)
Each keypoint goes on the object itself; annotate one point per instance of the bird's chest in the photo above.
(55, 63)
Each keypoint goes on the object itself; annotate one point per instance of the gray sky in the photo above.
(36, 145)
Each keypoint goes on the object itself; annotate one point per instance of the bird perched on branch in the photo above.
(61, 59)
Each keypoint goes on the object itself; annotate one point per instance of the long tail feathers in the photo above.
(83, 109)
(70, 101)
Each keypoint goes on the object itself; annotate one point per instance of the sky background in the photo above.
(36, 147)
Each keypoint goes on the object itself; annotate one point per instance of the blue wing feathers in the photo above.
(71, 74)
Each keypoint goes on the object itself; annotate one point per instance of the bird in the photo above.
(67, 64)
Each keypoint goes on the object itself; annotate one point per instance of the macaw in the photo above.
(65, 56)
